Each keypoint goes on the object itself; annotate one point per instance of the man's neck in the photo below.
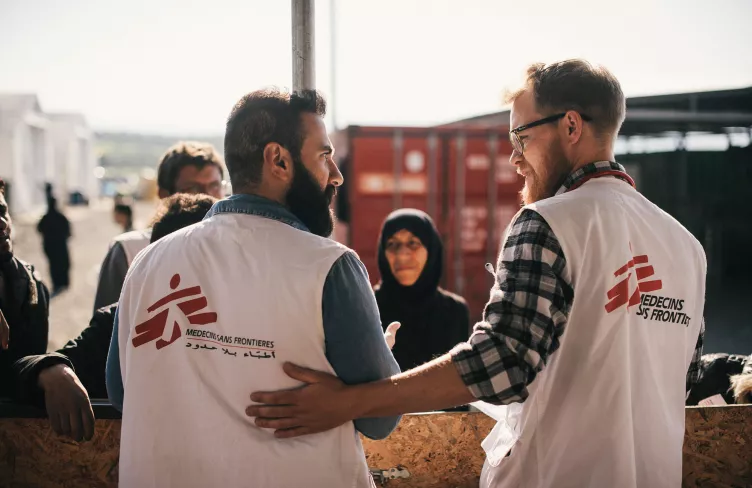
(593, 157)
(264, 193)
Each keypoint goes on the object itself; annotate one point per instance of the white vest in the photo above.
(133, 242)
(608, 408)
(184, 421)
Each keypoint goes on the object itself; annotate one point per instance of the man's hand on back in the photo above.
(67, 402)
(323, 404)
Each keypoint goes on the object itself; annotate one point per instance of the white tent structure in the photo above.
(26, 156)
(74, 159)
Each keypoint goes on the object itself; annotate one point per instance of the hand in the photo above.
(321, 405)
(67, 402)
(391, 334)
(4, 332)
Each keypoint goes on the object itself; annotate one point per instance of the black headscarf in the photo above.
(433, 321)
(420, 225)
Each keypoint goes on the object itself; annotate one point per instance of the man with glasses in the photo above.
(186, 167)
(594, 324)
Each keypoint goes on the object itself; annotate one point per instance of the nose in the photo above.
(335, 176)
(401, 258)
(515, 158)
(404, 253)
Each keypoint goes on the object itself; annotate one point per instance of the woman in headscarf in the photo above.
(410, 256)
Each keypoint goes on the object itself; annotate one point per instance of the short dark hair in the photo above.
(178, 211)
(575, 84)
(262, 117)
(182, 154)
(124, 209)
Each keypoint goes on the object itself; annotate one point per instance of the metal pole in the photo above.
(491, 242)
(303, 60)
(397, 144)
(433, 190)
(333, 50)
(459, 204)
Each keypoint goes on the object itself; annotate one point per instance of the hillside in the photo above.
(129, 150)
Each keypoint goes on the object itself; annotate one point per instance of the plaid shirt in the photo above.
(529, 307)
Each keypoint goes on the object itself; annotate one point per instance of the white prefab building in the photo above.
(74, 159)
(26, 156)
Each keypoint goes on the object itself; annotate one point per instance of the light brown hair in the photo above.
(577, 85)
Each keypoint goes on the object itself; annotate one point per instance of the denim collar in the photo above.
(256, 205)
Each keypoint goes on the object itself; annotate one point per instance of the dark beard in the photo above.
(308, 202)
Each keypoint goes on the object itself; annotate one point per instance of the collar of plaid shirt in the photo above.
(595, 170)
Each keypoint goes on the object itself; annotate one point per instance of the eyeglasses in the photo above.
(394, 247)
(514, 134)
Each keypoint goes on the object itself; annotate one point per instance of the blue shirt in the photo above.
(354, 339)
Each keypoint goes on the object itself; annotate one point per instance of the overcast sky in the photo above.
(177, 67)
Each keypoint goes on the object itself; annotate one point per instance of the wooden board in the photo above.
(439, 450)
(32, 455)
(718, 447)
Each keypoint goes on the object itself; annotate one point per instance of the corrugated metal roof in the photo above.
(711, 111)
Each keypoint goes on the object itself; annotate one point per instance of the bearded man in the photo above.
(212, 312)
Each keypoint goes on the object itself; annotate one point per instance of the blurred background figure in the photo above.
(187, 167)
(410, 257)
(123, 215)
(55, 230)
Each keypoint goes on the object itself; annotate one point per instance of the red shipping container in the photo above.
(445, 172)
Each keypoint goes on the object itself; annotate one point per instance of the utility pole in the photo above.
(303, 47)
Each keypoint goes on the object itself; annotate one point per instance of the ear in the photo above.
(278, 162)
(573, 124)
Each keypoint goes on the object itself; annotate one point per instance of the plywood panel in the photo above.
(439, 450)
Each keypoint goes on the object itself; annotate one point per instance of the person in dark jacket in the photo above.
(64, 380)
(410, 257)
(55, 230)
(24, 305)
(123, 216)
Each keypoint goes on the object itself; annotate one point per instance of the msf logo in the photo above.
(637, 271)
(190, 301)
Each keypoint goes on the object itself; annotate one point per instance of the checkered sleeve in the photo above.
(524, 318)
(693, 373)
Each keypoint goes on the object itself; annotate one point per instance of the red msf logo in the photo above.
(153, 329)
(620, 295)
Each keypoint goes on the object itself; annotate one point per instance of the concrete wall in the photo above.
(439, 450)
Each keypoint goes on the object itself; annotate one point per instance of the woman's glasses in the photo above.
(394, 247)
